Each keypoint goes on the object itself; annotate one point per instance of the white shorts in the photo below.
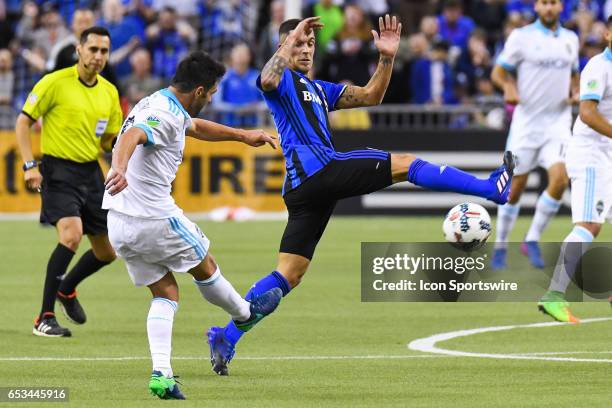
(537, 148)
(153, 247)
(590, 172)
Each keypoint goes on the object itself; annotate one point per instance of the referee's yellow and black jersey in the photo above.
(75, 115)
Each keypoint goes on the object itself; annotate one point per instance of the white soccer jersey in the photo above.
(596, 84)
(543, 61)
(153, 166)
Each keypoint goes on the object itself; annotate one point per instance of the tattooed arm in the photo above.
(372, 94)
(272, 72)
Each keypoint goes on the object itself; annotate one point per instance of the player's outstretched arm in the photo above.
(387, 43)
(116, 180)
(593, 118)
(215, 132)
(273, 70)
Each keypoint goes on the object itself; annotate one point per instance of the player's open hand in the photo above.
(258, 137)
(33, 179)
(387, 42)
(307, 25)
(115, 181)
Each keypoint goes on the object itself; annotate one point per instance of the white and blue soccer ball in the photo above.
(467, 226)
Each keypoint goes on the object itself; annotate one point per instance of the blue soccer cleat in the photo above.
(261, 306)
(164, 387)
(531, 250)
(498, 260)
(502, 180)
(221, 350)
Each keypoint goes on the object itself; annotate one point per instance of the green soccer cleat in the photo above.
(164, 387)
(554, 304)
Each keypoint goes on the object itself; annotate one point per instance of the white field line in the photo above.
(203, 358)
(428, 344)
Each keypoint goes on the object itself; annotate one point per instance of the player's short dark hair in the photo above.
(94, 30)
(610, 21)
(288, 25)
(197, 69)
(452, 4)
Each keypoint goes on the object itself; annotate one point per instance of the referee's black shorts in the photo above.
(71, 189)
(311, 204)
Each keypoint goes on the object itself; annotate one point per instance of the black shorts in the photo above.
(312, 203)
(71, 189)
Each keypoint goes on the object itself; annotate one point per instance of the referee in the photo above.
(81, 113)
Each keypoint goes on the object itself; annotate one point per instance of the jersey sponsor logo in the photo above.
(153, 121)
(310, 97)
(553, 63)
(592, 84)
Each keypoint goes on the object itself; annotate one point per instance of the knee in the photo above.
(71, 239)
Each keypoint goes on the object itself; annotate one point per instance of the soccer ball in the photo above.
(467, 226)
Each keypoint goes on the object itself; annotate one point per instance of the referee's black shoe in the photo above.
(71, 307)
(47, 326)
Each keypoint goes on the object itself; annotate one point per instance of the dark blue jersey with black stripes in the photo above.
(299, 107)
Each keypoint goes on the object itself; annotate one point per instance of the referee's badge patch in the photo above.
(32, 98)
(101, 127)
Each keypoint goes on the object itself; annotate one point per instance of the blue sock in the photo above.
(273, 280)
(447, 178)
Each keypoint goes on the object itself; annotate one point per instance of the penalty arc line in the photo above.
(428, 344)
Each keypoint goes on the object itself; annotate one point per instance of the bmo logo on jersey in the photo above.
(310, 97)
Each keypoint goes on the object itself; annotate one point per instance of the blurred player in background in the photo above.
(317, 175)
(146, 227)
(538, 71)
(589, 165)
(80, 112)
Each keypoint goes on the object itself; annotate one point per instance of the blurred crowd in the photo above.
(446, 56)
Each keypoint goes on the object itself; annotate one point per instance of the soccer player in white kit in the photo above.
(146, 227)
(589, 165)
(538, 71)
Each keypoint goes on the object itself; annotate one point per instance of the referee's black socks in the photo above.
(58, 263)
(87, 265)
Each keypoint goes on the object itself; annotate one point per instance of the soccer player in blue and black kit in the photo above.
(317, 175)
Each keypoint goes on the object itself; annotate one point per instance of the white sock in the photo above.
(506, 217)
(159, 329)
(218, 291)
(574, 246)
(546, 208)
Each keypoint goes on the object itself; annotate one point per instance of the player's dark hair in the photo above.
(94, 30)
(197, 69)
(452, 4)
(610, 21)
(288, 25)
